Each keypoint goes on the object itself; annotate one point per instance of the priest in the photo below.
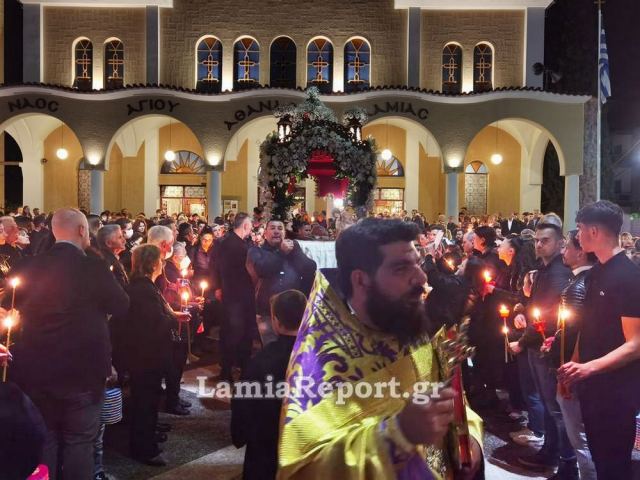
(361, 357)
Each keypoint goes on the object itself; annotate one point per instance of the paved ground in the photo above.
(199, 445)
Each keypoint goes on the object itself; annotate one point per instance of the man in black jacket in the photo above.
(111, 243)
(255, 422)
(512, 225)
(550, 280)
(278, 265)
(237, 296)
(63, 355)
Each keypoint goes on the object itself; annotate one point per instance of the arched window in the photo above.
(320, 65)
(452, 68)
(357, 63)
(185, 163)
(389, 168)
(476, 167)
(246, 66)
(83, 64)
(283, 63)
(113, 64)
(209, 65)
(482, 68)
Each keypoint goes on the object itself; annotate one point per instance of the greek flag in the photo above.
(603, 68)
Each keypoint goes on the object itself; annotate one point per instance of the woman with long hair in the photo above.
(519, 255)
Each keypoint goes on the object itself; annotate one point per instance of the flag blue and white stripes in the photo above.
(603, 68)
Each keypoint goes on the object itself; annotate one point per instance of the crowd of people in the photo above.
(110, 308)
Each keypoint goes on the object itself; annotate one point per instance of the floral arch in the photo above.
(310, 142)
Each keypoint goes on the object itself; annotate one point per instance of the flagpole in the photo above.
(599, 116)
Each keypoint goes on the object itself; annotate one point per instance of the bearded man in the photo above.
(369, 329)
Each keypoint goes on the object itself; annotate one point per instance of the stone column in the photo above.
(571, 200)
(97, 191)
(214, 194)
(451, 194)
(32, 42)
(414, 25)
(534, 46)
(153, 44)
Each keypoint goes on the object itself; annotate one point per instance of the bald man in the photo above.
(63, 354)
(8, 249)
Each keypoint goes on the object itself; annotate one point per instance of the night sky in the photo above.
(571, 49)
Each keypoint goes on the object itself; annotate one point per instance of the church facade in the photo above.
(143, 105)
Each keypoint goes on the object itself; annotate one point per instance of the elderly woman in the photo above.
(150, 321)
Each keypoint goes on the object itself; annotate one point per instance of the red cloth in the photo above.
(322, 168)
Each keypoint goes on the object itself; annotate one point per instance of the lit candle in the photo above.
(203, 286)
(538, 323)
(184, 272)
(504, 314)
(8, 324)
(563, 315)
(451, 265)
(185, 299)
(14, 282)
(487, 276)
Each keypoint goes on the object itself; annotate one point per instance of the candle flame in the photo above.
(185, 296)
(450, 263)
(14, 282)
(204, 285)
(564, 314)
(487, 276)
(504, 311)
(8, 322)
(505, 329)
(184, 272)
(536, 313)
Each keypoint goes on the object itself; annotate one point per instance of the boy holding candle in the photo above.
(607, 366)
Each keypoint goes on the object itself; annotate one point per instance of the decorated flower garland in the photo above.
(314, 138)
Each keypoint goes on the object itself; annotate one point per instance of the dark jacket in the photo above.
(230, 272)
(116, 267)
(64, 300)
(516, 227)
(549, 283)
(255, 422)
(147, 346)
(273, 271)
(572, 299)
(201, 262)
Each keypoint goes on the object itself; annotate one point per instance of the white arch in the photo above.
(130, 137)
(255, 132)
(29, 131)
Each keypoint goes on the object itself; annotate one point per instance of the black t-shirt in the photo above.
(613, 292)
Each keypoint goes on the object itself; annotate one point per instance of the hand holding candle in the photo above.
(538, 324)
(8, 323)
(15, 283)
(203, 286)
(504, 314)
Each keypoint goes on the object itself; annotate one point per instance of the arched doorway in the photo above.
(552, 191)
(43, 156)
(142, 176)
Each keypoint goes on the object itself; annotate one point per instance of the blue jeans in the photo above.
(575, 430)
(72, 423)
(556, 441)
(530, 394)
